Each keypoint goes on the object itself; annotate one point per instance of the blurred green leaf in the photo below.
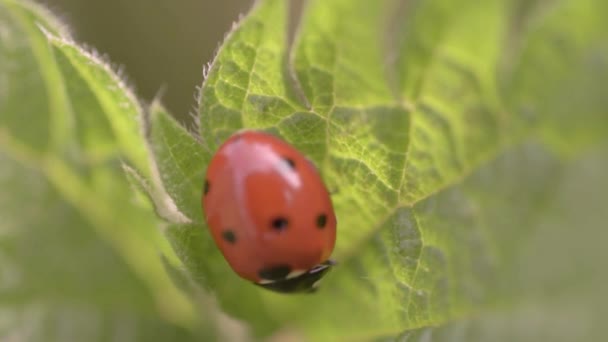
(80, 248)
(551, 75)
(58, 280)
(435, 122)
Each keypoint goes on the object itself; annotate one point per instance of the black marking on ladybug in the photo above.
(275, 273)
(321, 221)
(279, 223)
(290, 162)
(207, 185)
(307, 282)
(229, 236)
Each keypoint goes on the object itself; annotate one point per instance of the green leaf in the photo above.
(59, 280)
(80, 251)
(559, 68)
(26, 69)
(181, 162)
(437, 125)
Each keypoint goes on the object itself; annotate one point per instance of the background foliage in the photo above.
(160, 45)
(467, 142)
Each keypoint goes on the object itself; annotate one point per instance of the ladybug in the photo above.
(269, 212)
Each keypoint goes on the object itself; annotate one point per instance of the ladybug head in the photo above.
(306, 282)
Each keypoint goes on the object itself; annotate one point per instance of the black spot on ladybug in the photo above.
(275, 272)
(290, 162)
(321, 221)
(206, 190)
(279, 223)
(229, 236)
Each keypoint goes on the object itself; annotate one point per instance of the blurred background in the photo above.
(161, 45)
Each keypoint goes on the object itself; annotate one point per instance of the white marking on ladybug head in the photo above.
(295, 273)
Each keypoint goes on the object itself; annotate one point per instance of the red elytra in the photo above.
(269, 212)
